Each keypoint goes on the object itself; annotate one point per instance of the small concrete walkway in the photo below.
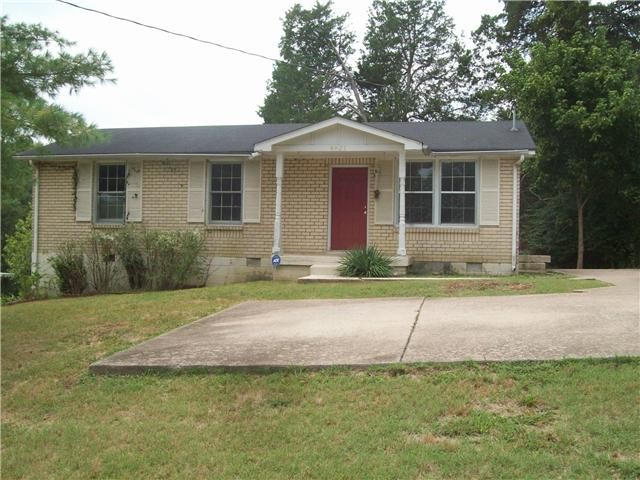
(601, 322)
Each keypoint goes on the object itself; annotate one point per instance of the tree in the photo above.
(36, 66)
(411, 50)
(581, 99)
(524, 24)
(310, 84)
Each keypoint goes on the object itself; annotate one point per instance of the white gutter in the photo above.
(528, 153)
(515, 214)
(127, 155)
(34, 229)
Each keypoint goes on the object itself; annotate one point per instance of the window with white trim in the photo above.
(458, 192)
(111, 193)
(419, 192)
(225, 193)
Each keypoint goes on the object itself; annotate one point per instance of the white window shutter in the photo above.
(251, 191)
(196, 194)
(134, 191)
(384, 184)
(84, 190)
(490, 192)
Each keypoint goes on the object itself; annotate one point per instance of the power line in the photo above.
(170, 32)
(195, 39)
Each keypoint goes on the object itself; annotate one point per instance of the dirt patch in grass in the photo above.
(511, 408)
(483, 285)
(251, 398)
(447, 443)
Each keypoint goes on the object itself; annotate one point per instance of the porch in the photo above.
(338, 185)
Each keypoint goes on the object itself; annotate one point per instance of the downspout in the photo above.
(35, 207)
(515, 214)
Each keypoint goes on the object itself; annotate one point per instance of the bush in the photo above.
(129, 249)
(68, 265)
(101, 256)
(365, 262)
(17, 254)
(173, 259)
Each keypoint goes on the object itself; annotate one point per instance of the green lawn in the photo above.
(536, 420)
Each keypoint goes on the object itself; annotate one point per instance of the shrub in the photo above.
(17, 254)
(129, 249)
(365, 262)
(174, 258)
(68, 265)
(101, 256)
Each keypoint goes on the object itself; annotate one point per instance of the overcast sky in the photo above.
(166, 81)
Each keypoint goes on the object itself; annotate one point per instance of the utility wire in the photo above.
(195, 39)
(177, 34)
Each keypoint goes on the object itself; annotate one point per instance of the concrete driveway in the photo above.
(601, 322)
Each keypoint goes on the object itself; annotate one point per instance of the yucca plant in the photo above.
(365, 262)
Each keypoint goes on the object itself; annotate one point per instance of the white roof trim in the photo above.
(267, 145)
(47, 156)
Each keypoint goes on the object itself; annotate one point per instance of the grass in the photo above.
(571, 419)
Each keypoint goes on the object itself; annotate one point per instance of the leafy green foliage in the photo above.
(101, 257)
(173, 259)
(524, 24)
(411, 49)
(129, 250)
(581, 99)
(365, 262)
(69, 268)
(309, 87)
(35, 66)
(17, 253)
(572, 70)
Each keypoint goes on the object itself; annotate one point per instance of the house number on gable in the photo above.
(338, 148)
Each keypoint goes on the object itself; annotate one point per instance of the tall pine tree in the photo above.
(412, 51)
(36, 66)
(309, 85)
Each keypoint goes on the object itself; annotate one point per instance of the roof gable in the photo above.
(338, 132)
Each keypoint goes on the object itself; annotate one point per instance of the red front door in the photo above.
(348, 208)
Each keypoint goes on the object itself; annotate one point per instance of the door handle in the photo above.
(365, 209)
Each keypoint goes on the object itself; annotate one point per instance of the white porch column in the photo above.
(402, 173)
(276, 223)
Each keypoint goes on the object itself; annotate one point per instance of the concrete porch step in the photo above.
(532, 267)
(308, 260)
(534, 258)
(324, 269)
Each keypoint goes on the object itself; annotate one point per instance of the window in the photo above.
(458, 193)
(419, 192)
(111, 193)
(226, 193)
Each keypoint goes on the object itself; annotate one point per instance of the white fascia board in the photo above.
(267, 145)
(126, 155)
(527, 153)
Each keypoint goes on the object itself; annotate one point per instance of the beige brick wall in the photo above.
(305, 216)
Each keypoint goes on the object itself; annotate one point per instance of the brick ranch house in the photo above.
(441, 195)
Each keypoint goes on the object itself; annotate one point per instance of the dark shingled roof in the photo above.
(439, 136)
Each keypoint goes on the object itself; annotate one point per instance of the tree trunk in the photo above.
(354, 86)
(580, 203)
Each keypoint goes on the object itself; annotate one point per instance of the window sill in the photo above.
(213, 226)
(107, 225)
(443, 228)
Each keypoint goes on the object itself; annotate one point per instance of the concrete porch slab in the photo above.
(278, 333)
